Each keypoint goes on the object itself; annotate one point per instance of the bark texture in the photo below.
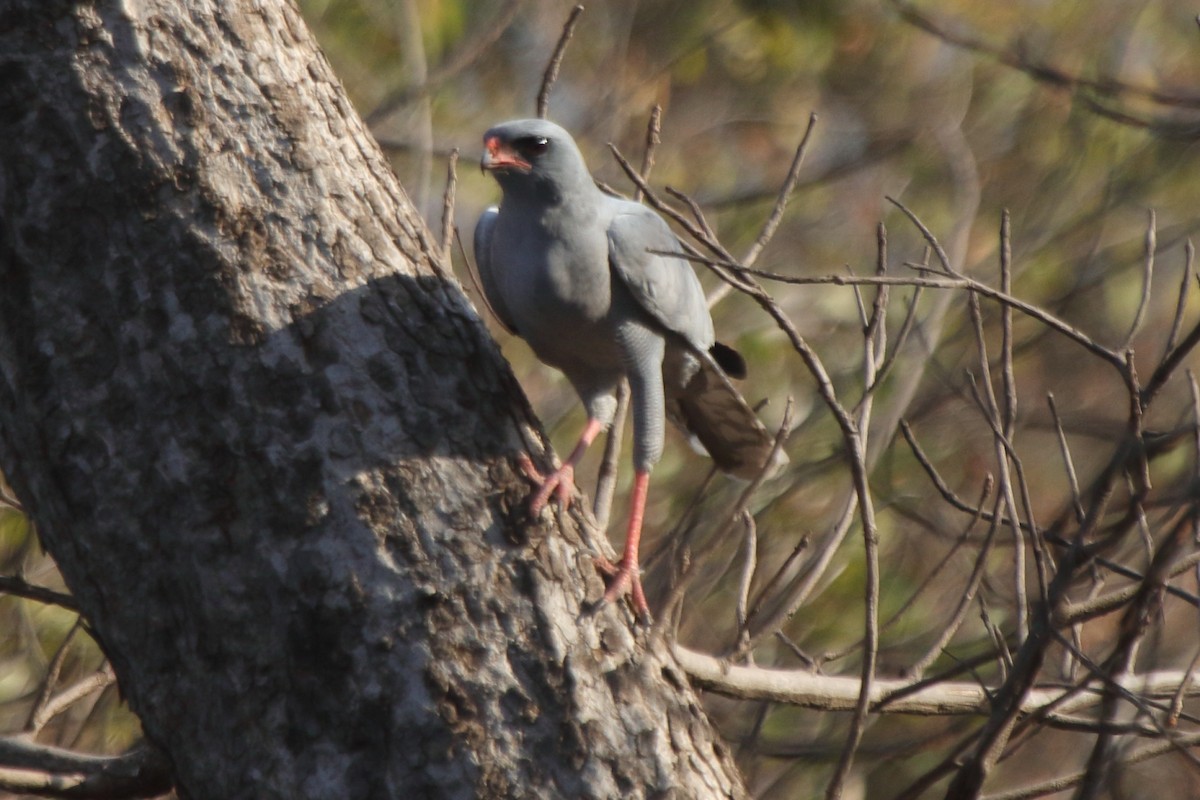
(272, 446)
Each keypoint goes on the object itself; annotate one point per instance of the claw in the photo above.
(560, 484)
(624, 578)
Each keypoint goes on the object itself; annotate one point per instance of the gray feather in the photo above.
(665, 287)
(483, 265)
(572, 271)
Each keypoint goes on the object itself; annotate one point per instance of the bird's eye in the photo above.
(531, 146)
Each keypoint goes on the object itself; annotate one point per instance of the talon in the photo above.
(621, 579)
(531, 472)
(560, 484)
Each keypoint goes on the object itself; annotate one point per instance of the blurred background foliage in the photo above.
(1079, 118)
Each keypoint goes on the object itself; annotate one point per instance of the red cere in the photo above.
(501, 156)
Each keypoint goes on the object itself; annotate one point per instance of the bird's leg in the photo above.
(561, 482)
(623, 576)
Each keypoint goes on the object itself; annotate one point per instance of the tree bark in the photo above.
(272, 447)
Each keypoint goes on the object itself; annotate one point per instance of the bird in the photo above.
(598, 287)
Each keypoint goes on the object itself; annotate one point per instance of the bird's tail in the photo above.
(713, 411)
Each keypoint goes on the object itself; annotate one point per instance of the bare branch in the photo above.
(785, 192)
(37, 718)
(21, 588)
(964, 605)
(950, 282)
(991, 412)
(1069, 612)
(473, 274)
(1134, 623)
(30, 768)
(551, 73)
(1065, 782)
(1171, 362)
(1068, 462)
(448, 204)
(60, 702)
(749, 566)
(606, 476)
(932, 240)
(653, 140)
(1147, 280)
(836, 693)
(1185, 285)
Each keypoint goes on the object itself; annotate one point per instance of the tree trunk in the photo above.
(271, 446)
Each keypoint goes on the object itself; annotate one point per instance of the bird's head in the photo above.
(534, 156)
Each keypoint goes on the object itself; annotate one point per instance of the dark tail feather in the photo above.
(729, 360)
(712, 410)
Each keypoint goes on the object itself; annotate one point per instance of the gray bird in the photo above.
(580, 276)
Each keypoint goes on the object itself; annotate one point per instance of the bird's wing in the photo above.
(488, 279)
(708, 406)
(664, 286)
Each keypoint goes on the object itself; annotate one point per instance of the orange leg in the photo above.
(623, 576)
(561, 482)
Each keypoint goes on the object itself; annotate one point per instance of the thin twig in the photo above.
(1177, 700)
(934, 696)
(743, 502)
(1064, 782)
(906, 329)
(1185, 285)
(932, 240)
(874, 340)
(1134, 624)
(749, 566)
(1171, 362)
(777, 210)
(926, 583)
(1006, 328)
(21, 588)
(1147, 280)
(36, 718)
(694, 207)
(964, 605)
(33, 768)
(476, 283)
(986, 398)
(677, 551)
(784, 569)
(448, 204)
(653, 140)
(1068, 462)
(785, 192)
(606, 476)
(948, 282)
(551, 73)
(60, 702)
(1195, 388)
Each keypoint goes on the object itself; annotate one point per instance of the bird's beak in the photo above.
(499, 156)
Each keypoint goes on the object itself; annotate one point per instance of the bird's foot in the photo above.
(624, 578)
(560, 484)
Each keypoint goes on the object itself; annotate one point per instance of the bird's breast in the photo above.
(545, 276)
(558, 290)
